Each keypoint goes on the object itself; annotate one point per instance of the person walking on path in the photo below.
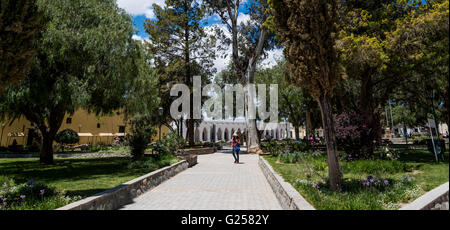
(236, 147)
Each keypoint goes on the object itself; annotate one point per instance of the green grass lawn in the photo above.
(94, 150)
(79, 178)
(392, 191)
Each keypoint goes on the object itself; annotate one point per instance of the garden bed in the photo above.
(71, 179)
(368, 184)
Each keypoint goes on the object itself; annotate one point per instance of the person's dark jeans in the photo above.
(235, 153)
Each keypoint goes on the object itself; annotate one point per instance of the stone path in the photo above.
(215, 183)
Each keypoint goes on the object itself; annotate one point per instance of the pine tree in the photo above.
(307, 30)
(181, 46)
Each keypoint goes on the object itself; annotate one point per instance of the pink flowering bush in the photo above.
(351, 129)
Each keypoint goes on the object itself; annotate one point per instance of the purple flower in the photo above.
(386, 182)
(1, 207)
(42, 191)
(22, 197)
(367, 183)
(372, 180)
(323, 182)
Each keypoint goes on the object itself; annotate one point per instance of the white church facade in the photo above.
(222, 130)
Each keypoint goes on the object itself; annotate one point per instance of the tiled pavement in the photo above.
(215, 183)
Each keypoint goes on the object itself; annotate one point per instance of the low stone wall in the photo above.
(124, 194)
(199, 151)
(436, 199)
(191, 159)
(288, 197)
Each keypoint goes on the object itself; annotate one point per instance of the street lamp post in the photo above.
(405, 130)
(160, 112)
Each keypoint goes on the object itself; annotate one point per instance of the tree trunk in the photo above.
(190, 120)
(252, 131)
(329, 133)
(253, 143)
(46, 154)
(297, 132)
(367, 108)
(447, 105)
(308, 123)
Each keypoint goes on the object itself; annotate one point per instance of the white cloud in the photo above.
(273, 56)
(243, 18)
(137, 37)
(220, 63)
(139, 7)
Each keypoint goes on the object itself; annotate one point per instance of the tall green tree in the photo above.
(371, 72)
(307, 29)
(141, 104)
(20, 24)
(85, 59)
(419, 47)
(249, 41)
(295, 103)
(181, 47)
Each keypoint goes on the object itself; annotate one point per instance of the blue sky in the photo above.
(138, 21)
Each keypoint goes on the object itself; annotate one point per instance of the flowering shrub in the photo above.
(376, 183)
(12, 194)
(351, 129)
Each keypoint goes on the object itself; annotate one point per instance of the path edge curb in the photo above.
(287, 196)
(123, 194)
(430, 199)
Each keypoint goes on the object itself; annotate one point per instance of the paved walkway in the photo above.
(215, 183)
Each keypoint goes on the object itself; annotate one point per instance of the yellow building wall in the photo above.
(81, 122)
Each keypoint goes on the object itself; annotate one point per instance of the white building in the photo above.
(224, 130)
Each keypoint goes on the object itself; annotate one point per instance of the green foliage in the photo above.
(20, 24)
(30, 195)
(141, 134)
(181, 48)
(314, 70)
(420, 45)
(142, 96)
(273, 147)
(170, 144)
(293, 102)
(290, 157)
(67, 136)
(376, 167)
(301, 146)
(367, 184)
(85, 58)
